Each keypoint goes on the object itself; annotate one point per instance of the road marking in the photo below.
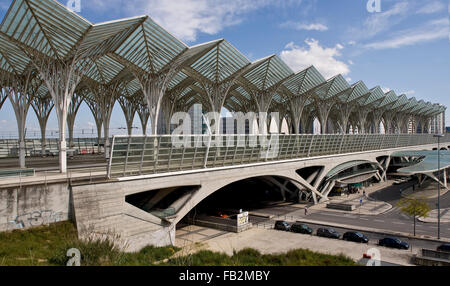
(398, 222)
(364, 219)
(379, 220)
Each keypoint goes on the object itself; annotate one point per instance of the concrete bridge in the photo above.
(154, 184)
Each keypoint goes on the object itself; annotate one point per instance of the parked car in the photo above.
(393, 242)
(328, 232)
(444, 247)
(301, 228)
(355, 237)
(282, 225)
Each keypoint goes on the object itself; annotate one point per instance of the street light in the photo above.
(439, 136)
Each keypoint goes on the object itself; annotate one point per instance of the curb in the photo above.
(377, 231)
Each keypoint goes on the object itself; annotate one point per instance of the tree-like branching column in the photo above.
(323, 108)
(106, 97)
(307, 120)
(61, 78)
(129, 107)
(388, 118)
(362, 113)
(97, 114)
(296, 106)
(144, 115)
(343, 113)
(217, 94)
(20, 91)
(3, 96)
(42, 107)
(154, 87)
(72, 112)
(402, 122)
(377, 116)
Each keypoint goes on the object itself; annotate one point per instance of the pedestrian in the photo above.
(364, 193)
(306, 211)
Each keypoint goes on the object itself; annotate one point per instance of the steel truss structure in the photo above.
(52, 59)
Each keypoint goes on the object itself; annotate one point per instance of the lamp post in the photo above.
(439, 136)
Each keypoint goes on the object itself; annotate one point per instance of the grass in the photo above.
(251, 257)
(48, 245)
(36, 246)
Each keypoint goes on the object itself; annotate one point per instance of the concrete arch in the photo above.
(210, 188)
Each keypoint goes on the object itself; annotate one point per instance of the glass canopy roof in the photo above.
(46, 28)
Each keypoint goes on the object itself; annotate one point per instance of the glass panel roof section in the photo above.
(107, 37)
(401, 102)
(335, 171)
(412, 103)
(334, 86)
(220, 63)
(420, 105)
(428, 165)
(12, 58)
(376, 96)
(104, 70)
(359, 90)
(150, 47)
(268, 73)
(389, 100)
(46, 26)
(304, 81)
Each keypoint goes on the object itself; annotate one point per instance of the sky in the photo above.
(403, 46)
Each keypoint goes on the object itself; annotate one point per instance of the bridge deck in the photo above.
(144, 155)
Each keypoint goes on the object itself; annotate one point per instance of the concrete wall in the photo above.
(36, 205)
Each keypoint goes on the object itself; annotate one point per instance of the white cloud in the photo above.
(348, 79)
(302, 26)
(351, 62)
(385, 89)
(187, 18)
(431, 8)
(434, 30)
(323, 58)
(409, 92)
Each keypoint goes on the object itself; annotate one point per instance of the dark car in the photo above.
(355, 237)
(444, 247)
(301, 228)
(393, 242)
(282, 225)
(328, 232)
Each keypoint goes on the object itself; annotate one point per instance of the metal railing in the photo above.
(9, 148)
(145, 155)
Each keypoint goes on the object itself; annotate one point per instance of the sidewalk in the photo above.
(428, 191)
(433, 216)
(368, 207)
